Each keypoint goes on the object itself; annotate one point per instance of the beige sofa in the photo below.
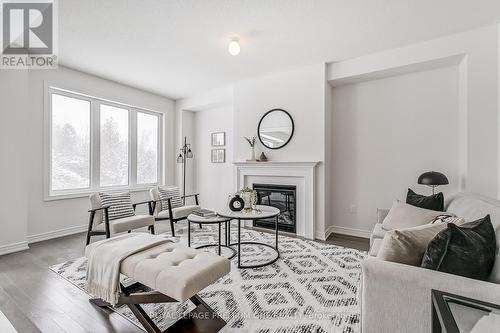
(397, 297)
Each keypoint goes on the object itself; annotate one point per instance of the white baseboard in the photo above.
(21, 246)
(347, 231)
(14, 247)
(56, 234)
(320, 236)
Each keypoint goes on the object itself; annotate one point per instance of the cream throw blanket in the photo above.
(104, 261)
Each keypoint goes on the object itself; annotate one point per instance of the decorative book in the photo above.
(204, 213)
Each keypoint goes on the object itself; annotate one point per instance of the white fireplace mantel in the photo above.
(298, 174)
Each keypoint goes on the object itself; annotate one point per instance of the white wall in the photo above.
(301, 92)
(387, 132)
(184, 110)
(14, 144)
(52, 218)
(329, 158)
(476, 53)
(214, 180)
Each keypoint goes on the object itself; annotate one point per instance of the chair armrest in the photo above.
(96, 209)
(189, 195)
(142, 202)
(391, 290)
(150, 204)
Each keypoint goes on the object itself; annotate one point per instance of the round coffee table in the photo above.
(192, 218)
(261, 212)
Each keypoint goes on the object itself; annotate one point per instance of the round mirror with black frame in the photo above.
(275, 129)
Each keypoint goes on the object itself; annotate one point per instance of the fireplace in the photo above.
(298, 174)
(282, 197)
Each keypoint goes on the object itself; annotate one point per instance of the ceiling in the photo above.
(178, 48)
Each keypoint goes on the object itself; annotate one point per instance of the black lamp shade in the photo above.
(432, 178)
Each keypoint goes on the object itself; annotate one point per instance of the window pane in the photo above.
(147, 148)
(114, 146)
(70, 143)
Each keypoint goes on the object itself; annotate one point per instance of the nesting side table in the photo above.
(192, 218)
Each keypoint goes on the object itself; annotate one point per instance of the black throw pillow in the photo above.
(432, 202)
(468, 250)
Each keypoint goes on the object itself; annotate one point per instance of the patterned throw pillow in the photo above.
(120, 205)
(448, 218)
(171, 192)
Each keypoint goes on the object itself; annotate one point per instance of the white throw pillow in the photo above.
(402, 216)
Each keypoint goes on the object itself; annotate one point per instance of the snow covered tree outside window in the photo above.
(114, 146)
(147, 148)
(70, 153)
(94, 141)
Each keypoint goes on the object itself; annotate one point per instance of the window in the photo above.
(147, 148)
(98, 144)
(70, 137)
(114, 146)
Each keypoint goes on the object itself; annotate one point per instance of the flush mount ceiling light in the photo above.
(234, 47)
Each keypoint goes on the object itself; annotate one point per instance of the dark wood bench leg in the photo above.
(152, 229)
(144, 319)
(195, 321)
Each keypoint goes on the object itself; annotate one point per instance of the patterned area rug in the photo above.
(312, 288)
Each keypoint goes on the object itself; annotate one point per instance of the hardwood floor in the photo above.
(358, 243)
(35, 299)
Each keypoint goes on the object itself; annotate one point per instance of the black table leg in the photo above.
(219, 238)
(276, 231)
(228, 241)
(189, 234)
(239, 242)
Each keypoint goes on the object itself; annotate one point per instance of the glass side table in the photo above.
(457, 314)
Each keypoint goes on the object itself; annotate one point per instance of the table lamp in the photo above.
(432, 179)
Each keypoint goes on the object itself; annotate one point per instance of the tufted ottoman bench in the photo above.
(176, 273)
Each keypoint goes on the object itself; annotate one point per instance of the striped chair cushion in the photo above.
(120, 205)
(171, 192)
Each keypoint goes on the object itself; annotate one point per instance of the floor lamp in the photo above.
(184, 153)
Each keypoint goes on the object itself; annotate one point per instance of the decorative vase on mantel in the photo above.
(252, 155)
(251, 142)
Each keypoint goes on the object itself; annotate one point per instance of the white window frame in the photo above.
(95, 117)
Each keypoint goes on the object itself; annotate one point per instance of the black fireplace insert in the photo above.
(282, 197)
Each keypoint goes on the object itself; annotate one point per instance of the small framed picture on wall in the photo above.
(218, 139)
(218, 155)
